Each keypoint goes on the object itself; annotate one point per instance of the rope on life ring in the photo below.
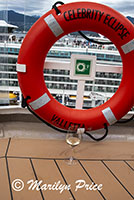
(24, 104)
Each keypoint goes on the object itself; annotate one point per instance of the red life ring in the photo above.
(45, 32)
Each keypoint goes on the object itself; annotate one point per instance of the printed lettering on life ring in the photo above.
(45, 32)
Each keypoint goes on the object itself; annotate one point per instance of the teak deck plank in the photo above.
(75, 173)
(124, 173)
(101, 175)
(22, 169)
(48, 172)
(59, 149)
(3, 146)
(4, 183)
(131, 163)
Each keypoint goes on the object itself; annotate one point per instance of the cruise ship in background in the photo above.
(108, 70)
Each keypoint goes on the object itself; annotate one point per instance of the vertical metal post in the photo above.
(80, 94)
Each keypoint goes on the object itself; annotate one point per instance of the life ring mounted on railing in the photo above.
(45, 32)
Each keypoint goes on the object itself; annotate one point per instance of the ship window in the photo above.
(117, 58)
(109, 56)
(89, 82)
(12, 60)
(2, 60)
(100, 55)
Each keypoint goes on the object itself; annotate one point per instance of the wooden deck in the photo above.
(108, 163)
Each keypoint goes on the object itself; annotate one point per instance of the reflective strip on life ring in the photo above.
(107, 112)
(53, 25)
(128, 47)
(45, 32)
(41, 101)
(20, 67)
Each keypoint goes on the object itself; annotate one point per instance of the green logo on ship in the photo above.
(82, 67)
